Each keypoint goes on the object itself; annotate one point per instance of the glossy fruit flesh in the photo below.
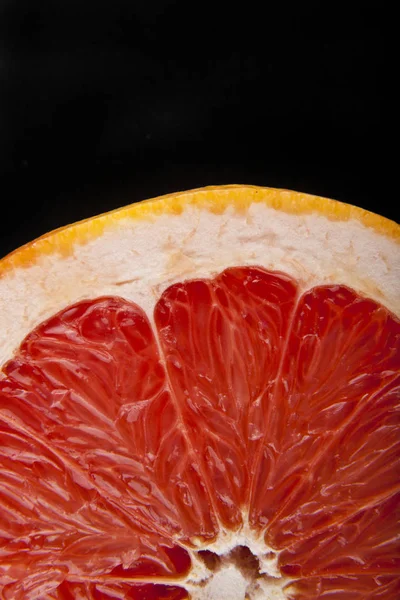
(125, 445)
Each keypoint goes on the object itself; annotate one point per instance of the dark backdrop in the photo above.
(103, 104)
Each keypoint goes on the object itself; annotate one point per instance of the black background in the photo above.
(103, 104)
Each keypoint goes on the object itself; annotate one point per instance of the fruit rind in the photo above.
(214, 198)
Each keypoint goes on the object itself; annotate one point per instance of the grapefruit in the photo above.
(199, 398)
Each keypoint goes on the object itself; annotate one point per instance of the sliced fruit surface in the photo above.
(259, 409)
(186, 430)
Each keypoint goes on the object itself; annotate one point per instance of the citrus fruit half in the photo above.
(199, 398)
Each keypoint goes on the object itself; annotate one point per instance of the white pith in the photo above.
(139, 259)
(231, 582)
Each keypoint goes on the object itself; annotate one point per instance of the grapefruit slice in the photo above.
(199, 398)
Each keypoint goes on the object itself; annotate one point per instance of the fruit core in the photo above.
(238, 574)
